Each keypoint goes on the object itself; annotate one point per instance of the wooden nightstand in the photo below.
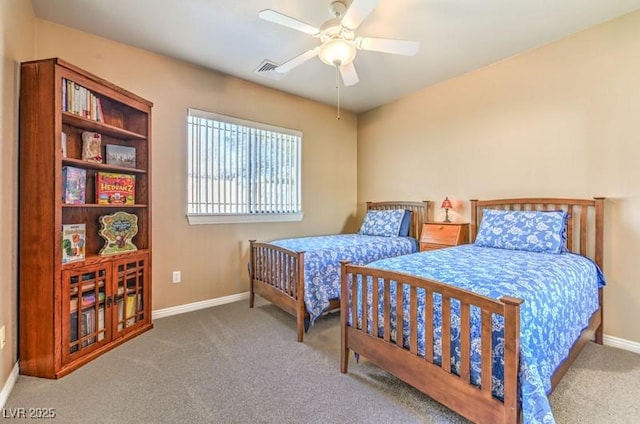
(437, 235)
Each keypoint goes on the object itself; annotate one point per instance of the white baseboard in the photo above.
(189, 307)
(621, 343)
(8, 385)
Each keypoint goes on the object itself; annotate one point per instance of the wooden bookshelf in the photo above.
(70, 313)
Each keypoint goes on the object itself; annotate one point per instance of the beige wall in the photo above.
(17, 30)
(213, 258)
(562, 120)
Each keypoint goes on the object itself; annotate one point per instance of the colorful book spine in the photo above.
(81, 101)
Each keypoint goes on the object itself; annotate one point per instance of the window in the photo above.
(242, 171)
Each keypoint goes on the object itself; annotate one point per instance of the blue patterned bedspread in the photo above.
(322, 261)
(560, 293)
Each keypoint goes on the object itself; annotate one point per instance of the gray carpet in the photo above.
(232, 364)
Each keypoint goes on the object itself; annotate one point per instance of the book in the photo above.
(74, 185)
(88, 299)
(87, 327)
(101, 329)
(81, 101)
(99, 114)
(73, 330)
(118, 155)
(74, 238)
(120, 314)
(63, 144)
(115, 188)
(131, 309)
(92, 147)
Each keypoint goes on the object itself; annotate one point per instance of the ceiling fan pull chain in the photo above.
(338, 90)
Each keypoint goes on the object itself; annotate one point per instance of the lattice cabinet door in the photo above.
(86, 304)
(131, 293)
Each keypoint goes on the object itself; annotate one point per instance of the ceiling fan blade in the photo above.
(386, 45)
(296, 61)
(279, 18)
(349, 74)
(357, 12)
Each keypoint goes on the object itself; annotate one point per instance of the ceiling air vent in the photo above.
(267, 69)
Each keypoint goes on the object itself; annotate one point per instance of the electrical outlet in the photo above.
(3, 337)
(177, 277)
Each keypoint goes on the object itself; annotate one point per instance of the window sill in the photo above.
(201, 219)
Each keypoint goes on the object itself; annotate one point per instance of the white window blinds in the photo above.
(238, 167)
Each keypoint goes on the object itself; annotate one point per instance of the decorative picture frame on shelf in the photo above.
(118, 155)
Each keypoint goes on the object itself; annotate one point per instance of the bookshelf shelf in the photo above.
(106, 129)
(95, 205)
(101, 166)
(92, 259)
(70, 313)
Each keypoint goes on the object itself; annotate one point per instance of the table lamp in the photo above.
(446, 205)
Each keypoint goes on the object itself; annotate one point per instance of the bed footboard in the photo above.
(361, 333)
(277, 274)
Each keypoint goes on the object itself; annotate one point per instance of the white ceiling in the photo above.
(456, 36)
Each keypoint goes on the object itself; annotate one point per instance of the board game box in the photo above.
(74, 184)
(115, 188)
(74, 237)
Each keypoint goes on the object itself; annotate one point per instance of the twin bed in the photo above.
(302, 275)
(487, 329)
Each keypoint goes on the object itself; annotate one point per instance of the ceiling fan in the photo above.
(337, 36)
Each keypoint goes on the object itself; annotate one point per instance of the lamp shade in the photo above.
(446, 203)
(337, 52)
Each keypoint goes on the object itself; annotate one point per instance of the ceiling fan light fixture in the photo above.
(337, 52)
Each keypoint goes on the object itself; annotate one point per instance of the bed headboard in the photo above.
(418, 213)
(584, 227)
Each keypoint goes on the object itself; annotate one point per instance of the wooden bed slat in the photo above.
(413, 323)
(399, 315)
(511, 356)
(374, 306)
(465, 342)
(387, 311)
(486, 353)
(364, 302)
(354, 296)
(428, 325)
(583, 231)
(446, 334)
(570, 227)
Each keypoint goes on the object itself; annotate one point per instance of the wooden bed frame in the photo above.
(584, 236)
(277, 274)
